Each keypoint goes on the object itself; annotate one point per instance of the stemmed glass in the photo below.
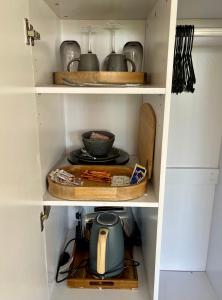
(117, 62)
(87, 61)
(112, 28)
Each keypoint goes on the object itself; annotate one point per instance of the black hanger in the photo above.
(183, 71)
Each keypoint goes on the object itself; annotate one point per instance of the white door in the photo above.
(22, 258)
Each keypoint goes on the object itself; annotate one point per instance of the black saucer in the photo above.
(114, 153)
(116, 157)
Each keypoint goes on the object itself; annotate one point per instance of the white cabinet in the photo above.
(40, 123)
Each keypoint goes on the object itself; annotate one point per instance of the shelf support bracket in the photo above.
(44, 215)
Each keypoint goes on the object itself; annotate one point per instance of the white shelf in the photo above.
(61, 291)
(148, 200)
(185, 286)
(56, 89)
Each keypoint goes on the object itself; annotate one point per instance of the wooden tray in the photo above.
(100, 77)
(97, 190)
(82, 279)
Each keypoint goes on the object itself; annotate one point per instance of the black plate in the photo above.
(122, 159)
(114, 153)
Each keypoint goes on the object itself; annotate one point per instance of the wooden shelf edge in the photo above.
(148, 200)
(140, 90)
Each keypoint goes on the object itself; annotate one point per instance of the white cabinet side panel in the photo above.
(147, 221)
(22, 257)
(51, 132)
(51, 123)
(187, 219)
(195, 121)
(214, 261)
(157, 42)
(55, 231)
(162, 32)
(46, 60)
(46, 57)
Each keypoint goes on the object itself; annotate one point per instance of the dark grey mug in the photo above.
(118, 63)
(86, 62)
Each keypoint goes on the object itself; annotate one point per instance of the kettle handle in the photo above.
(101, 250)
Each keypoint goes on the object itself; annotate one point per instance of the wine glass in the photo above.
(117, 62)
(112, 29)
(87, 61)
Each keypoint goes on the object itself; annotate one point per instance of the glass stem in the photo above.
(90, 41)
(113, 40)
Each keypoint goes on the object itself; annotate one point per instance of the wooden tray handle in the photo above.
(101, 250)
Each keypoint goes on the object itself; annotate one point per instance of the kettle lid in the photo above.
(107, 218)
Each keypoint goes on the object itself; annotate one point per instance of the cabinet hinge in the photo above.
(44, 216)
(31, 34)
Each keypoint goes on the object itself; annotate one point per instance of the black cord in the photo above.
(78, 267)
(66, 246)
(72, 273)
(57, 276)
(135, 262)
(60, 263)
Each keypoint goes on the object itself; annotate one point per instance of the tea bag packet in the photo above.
(63, 177)
(120, 181)
(138, 174)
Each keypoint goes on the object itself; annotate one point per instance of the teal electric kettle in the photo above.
(106, 246)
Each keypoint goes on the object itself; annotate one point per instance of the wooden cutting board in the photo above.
(146, 137)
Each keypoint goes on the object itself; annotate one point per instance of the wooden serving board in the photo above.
(100, 77)
(97, 190)
(82, 279)
(146, 138)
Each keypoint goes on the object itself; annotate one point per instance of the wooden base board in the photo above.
(82, 279)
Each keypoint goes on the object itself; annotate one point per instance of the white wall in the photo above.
(118, 114)
(194, 145)
(214, 261)
(187, 218)
(195, 120)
